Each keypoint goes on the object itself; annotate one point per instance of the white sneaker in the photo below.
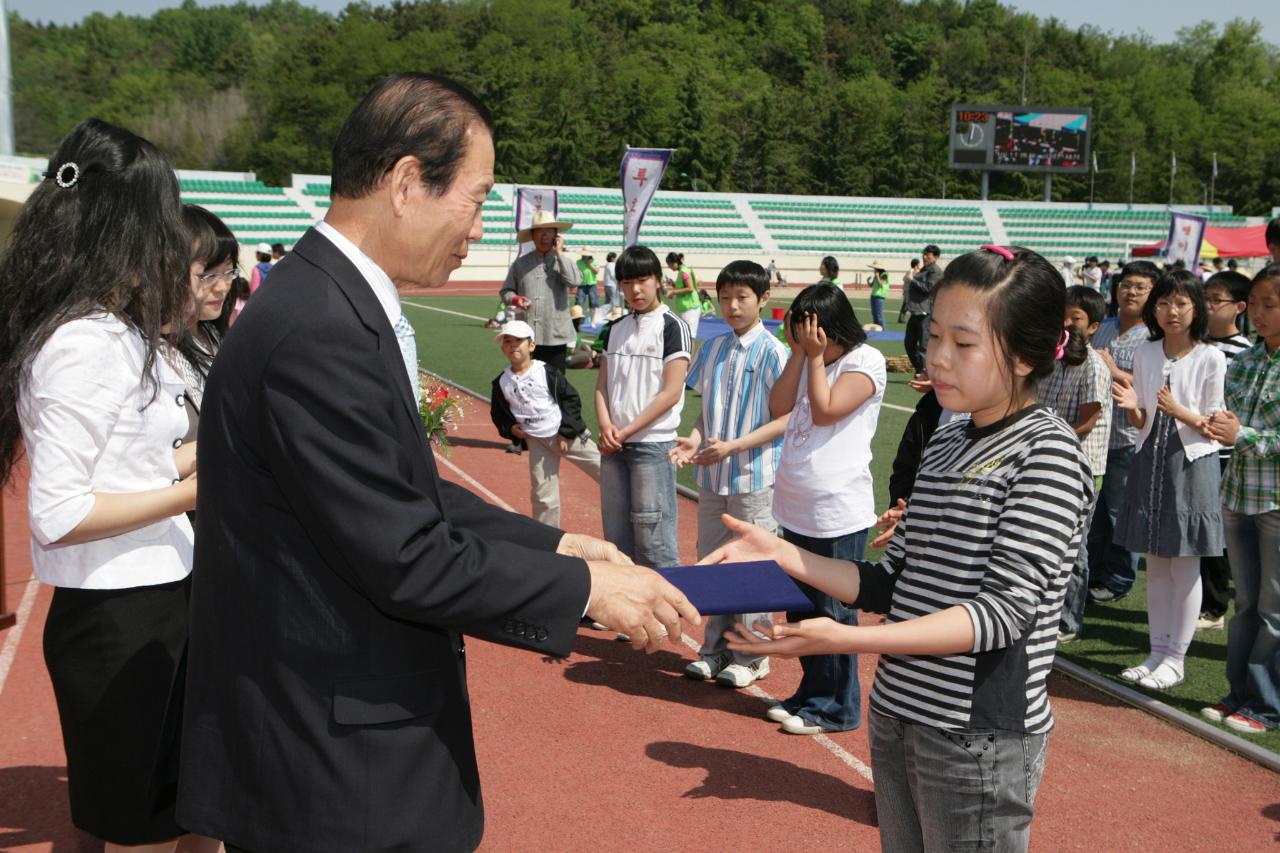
(777, 714)
(800, 726)
(1209, 623)
(705, 669)
(739, 675)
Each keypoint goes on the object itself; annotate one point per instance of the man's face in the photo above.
(434, 232)
(928, 258)
(544, 239)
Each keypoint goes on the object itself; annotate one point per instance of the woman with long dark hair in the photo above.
(214, 252)
(96, 269)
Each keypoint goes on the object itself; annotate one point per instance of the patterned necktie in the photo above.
(409, 352)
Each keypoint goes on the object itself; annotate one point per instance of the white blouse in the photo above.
(91, 425)
(1195, 380)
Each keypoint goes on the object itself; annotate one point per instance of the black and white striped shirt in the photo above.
(992, 525)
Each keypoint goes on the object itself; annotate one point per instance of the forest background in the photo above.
(833, 97)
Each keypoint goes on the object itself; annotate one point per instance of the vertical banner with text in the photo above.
(642, 170)
(1186, 233)
(528, 200)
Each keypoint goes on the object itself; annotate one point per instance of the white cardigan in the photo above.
(91, 425)
(1196, 380)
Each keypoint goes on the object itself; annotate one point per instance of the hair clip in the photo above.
(999, 250)
(1062, 345)
(63, 182)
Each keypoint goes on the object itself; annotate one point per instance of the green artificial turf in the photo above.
(1115, 635)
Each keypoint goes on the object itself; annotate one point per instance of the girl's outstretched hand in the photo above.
(753, 543)
(887, 524)
(812, 337)
(819, 636)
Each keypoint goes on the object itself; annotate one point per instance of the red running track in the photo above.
(613, 750)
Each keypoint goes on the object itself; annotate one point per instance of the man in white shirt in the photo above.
(1068, 272)
(335, 568)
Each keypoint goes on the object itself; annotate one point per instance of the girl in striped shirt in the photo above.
(974, 578)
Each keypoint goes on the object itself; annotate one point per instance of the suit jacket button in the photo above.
(177, 442)
(542, 634)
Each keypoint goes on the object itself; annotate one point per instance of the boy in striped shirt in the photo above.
(735, 444)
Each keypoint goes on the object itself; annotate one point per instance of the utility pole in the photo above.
(6, 86)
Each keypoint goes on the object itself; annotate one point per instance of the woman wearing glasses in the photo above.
(214, 252)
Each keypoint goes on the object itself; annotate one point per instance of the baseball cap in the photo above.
(264, 248)
(516, 329)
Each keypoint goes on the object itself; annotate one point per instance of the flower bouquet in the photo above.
(441, 411)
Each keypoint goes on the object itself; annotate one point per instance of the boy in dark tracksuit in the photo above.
(534, 402)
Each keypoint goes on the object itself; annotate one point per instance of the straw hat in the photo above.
(542, 219)
(876, 265)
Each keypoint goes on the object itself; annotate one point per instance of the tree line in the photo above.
(836, 97)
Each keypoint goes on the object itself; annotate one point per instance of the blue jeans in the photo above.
(829, 694)
(1072, 620)
(877, 311)
(941, 789)
(611, 297)
(1110, 565)
(638, 502)
(1253, 636)
(588, 297)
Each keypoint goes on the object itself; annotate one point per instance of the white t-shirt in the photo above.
(530, 400)
(610, 277)
(1068, 274)
(823, 486)
(637, 348)
(1092, 277)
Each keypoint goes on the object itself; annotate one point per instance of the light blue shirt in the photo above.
(734, 375)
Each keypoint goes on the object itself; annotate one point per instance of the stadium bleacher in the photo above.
(751, 225)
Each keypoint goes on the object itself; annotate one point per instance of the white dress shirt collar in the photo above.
(747, 338)
(379, 281)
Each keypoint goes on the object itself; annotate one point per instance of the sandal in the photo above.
(1135, 674)
(1163, 677)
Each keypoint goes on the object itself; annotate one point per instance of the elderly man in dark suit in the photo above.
(336, 571)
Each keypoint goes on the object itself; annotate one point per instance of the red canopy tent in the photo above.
(1221, 243)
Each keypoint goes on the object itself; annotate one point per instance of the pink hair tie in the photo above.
(1062, 345)
(999, 250)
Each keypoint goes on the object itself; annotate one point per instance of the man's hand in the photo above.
(638, 602)
(591, 548)
(921, 383)
(521, 302)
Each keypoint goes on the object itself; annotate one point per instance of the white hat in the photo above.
(542, 219)
(1068, 260)
(264, 248)
(516, 329)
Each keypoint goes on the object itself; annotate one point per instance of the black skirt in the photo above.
(117, 660)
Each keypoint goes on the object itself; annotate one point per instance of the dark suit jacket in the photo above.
(326, 704)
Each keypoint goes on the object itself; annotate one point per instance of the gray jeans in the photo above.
(544, 472)
(947, 790)
(755, 507)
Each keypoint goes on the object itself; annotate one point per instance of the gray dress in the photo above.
(1173, 506)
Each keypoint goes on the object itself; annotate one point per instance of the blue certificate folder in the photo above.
(726, 588)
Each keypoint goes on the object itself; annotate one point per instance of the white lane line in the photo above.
(441, 310)
(849, 759)
(10, 649)
(482, 319)
(475, 484)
